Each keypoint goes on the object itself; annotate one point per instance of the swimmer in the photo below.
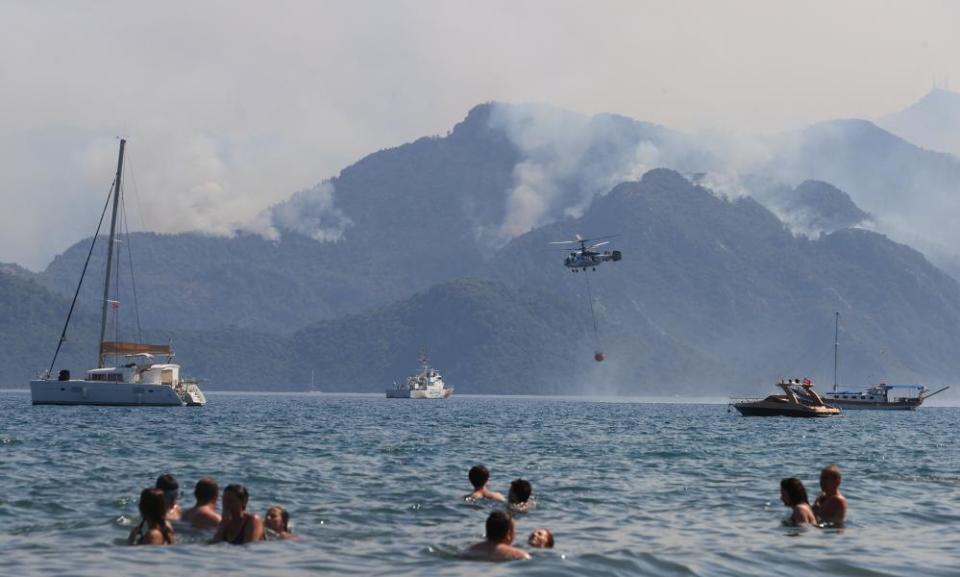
(830, 507)
(479, 475)
(521, 496)
(277, 522)
(153, 528)
(793, 495)
(238, 526)
(541, 539)
(499, 543)
(204, 514)
(171, 494)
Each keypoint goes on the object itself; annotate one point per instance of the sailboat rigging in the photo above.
(138, 380)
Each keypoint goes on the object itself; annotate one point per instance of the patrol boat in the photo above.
(798, 400)
(427, 384)
(139, 376)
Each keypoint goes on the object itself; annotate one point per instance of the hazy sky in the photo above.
(232, 106)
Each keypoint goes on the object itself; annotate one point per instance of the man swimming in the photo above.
(499, 543)
(204, 514)
(479, 475)
(831, 506)
(521, 496)
(171, 494)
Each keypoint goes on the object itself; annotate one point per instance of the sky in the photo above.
(230, 107)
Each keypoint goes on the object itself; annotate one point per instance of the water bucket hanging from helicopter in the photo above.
(587, 257)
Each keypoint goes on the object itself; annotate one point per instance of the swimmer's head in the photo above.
(170, 487)
(541, 538)
(792, 492)
(500, 527)
(479, 475)
(206, 491)
(830, 478)
(520, 491)
(152, 506)
(235, 497)
(277, 519)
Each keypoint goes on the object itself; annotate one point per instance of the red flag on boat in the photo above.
(807, 381)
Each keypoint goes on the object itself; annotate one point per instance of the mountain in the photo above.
(728, 279)
(442, 243)
(932, 122)
(393, 224)
(712, 295)
(911, 193)
(31, 318)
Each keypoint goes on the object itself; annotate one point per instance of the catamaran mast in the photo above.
(836, 346)
(110, 243)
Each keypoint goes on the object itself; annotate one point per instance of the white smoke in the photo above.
(568, 159)
(310, 212)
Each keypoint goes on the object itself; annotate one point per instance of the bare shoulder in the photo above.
(511, 553)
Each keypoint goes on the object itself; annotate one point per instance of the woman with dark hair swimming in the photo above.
(794, 495)
(238, 526)
(154, 528)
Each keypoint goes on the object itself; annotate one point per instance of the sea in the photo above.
(376, 486)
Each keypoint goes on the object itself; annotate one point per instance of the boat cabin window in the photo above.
(111, 377)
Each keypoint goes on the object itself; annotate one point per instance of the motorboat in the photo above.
(799, 399)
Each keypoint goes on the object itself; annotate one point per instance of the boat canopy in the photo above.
(108, 348)
(904, 386)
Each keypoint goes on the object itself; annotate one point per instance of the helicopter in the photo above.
(584, 257)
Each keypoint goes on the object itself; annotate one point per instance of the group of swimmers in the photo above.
(160, 509)
(830, 507)
(501, 526)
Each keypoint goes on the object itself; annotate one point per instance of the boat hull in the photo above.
(874, 406)
(78, 392)
(415, 394)
(767, 410)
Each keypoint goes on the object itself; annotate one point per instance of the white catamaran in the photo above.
(136, 379)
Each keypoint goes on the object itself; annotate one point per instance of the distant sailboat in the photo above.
(138, 380)
(882, 397)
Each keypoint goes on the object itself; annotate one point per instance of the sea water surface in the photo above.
(375, 486)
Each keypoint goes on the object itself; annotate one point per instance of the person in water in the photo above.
(153, 528)
(794, 495)
(479, 475)
(204, 514)
(238, 526)
(171, 494)
(541, 539)
(498, 545)
(520, 496)
(831, 506)
(277, 522)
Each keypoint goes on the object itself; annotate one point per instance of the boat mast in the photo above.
(836, 347)
(110, 243)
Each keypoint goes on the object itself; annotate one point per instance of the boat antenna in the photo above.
(836, 348)
(83, 273)
(113, 234)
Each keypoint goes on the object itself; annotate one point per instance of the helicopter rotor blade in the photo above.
(592, 246)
